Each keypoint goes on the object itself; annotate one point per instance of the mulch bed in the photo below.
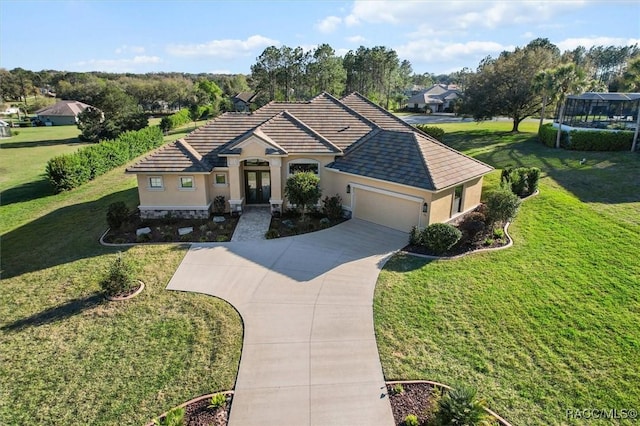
(166, 230)
(419, 399)
(197, 414)
(292, 224)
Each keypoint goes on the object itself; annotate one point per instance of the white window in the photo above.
(220, 179)
(303, 165)
(186, 182)
(155, 182)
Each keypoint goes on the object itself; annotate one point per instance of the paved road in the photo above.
(309, 355)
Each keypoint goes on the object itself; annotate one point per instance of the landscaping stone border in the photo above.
(191, 401)
(458, 256)
(106, 244)
(499, 419)
(131, 296)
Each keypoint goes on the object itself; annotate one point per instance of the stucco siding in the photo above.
(472, 194)
(171, 194)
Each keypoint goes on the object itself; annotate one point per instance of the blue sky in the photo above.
(224, 36)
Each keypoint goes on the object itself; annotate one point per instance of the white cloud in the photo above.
(356, 39)
(328, 24)
(228, 48)
(528, 35)
(452, 16)
(138, 50)
(572, 43)
(118, 65)
(435, 51)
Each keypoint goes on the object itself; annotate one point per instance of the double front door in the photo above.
(257, 185)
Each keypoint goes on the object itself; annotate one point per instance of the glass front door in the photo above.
(257, 186)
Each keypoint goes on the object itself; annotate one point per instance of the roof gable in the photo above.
(63, 109)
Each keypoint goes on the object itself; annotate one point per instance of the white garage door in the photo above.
(394, 211)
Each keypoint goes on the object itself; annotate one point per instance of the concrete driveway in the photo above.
(309, 355)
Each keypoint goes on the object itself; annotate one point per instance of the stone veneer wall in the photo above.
(184, 214)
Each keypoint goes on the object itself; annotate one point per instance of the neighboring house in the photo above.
(384, 170)
(438, 98)
(61, 113)
(11, 110)
(242, 101)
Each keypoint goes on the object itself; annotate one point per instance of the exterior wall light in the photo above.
(348, 189)
(425, 208)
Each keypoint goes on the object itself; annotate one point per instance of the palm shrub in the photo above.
(218, 400)
(120, 277)
(462, 407)
(174, 417)
(502, 206)
(117, 214)
(439, 237)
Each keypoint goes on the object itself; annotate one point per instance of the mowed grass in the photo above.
(546, 326)
(69, 357)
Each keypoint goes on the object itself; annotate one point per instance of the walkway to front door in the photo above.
(253, 224)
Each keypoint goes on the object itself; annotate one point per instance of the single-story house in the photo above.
(384, 170)
(61, 113)
(438, 98)
(242, 101)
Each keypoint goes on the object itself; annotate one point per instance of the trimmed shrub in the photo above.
(440, 237)
(433, 131)
(473, 224)
(332, 207)
(117, 214)
(69, 171)
(219, 204)
(600, 141)
(302, 189)
(120, 278)
(414, 236)
(502, 206)
(462, 407)
(547, 136)
(522, 181)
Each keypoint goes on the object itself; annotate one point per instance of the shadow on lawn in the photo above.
(62, 236)
(57, 313)
(35, 144)
(27, 192)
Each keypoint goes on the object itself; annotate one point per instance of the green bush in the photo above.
(117, 214)
(302, 189)
(219, 204)
(502, 206)
(120, 278)
(332, 207)
(581, 140)
(414, 236)
(439, 237)
(174, 417)
(69, 171)
(325, 223)
(547, 136)
(178, 119)
(411, 420)
(462, 407)
(473, 224)
(218, 400)
(433, 131)
(522, 181)
(271, 234)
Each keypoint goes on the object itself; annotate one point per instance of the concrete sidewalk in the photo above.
(309, 355)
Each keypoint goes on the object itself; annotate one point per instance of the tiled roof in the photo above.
(378, 115)
(375, 142)
(245, 97)
(64, 109)
(177, 156)
(409, 158)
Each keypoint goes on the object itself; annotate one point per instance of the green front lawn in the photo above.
(548, 325)
(69, 357)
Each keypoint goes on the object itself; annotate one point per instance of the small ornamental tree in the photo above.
(120, 279)
(303, 190)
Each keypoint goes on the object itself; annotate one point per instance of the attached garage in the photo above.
(395, 210)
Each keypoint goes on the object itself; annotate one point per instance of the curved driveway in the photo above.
(309, 355)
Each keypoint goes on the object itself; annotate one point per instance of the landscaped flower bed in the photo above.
(167, 230)
(293, 223)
